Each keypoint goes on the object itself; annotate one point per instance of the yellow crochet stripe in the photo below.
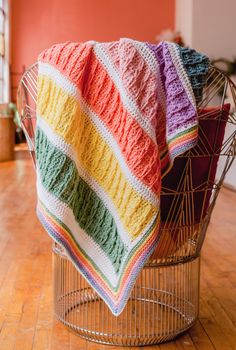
(63, 113)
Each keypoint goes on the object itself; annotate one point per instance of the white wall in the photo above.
(209, 26)
(214, 24)
(183, 19)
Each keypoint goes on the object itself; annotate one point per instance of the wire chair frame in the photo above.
(164, 301)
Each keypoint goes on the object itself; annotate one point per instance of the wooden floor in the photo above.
(26, 315)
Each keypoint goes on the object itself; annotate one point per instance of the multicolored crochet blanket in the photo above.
(111, 118)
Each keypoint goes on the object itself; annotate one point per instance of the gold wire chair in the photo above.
(165, 299)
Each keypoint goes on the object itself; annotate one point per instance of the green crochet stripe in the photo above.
(59, 176)
(196, 65)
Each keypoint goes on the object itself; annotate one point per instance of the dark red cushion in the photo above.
(195, 170)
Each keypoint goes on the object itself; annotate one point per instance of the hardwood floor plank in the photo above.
(77, 343)
(27, 324)
(60, 338)
(212, 328)
(200, 337)
(168, 346)
(226, 297)
(224, 322)
(94, 346)
(6, 292)
(34, 281)
(7, 337)
(44, 323)
(185, 342)
(8, 324)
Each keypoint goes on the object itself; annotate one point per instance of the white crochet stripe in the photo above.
(127, 100)
(61, 80)
(57, 141)
(65, 214)
(183, 76)
(154, 65)
(143, 190)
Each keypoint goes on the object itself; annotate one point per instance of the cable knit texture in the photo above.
(111, 118)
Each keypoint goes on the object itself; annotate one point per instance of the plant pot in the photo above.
(7, 134)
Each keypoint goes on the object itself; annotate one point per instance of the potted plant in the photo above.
(7, 132)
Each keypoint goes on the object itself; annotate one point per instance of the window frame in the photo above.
(4, 59)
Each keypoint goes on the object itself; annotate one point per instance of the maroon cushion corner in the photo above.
(202, 168)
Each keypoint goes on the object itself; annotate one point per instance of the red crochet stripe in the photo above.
(140, 152)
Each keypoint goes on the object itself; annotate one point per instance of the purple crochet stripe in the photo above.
(179, 110)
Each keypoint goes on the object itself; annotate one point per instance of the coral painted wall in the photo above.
(37, 24)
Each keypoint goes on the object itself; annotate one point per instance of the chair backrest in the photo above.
(26, 105)
(190, 189)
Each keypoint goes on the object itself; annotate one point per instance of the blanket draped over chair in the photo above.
(111, 118)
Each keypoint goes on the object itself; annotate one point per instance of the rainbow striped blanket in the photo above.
(111, 118)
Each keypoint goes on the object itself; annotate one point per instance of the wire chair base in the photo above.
(162, 305)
